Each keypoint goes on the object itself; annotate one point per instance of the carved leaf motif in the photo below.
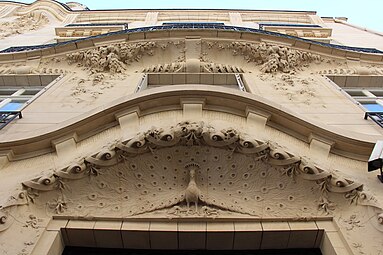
(112, 58)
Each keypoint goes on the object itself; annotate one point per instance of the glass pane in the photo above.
(7, 92)
(356, 93)
(12, 106)
(30, 92)
(373, 107)
(378, 93)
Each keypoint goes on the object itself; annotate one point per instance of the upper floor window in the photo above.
(193, 23)
(13, 99)
(17, 91)
(227, 80)
(365, 90)
(370, 98)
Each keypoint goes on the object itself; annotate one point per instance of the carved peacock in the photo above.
(192, 192)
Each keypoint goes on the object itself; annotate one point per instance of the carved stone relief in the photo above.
(25, 23)
(205, 67)
(359, 70)
(190, 169)
(113, 58)
(294, 88)
(90, 88)
(270, 58)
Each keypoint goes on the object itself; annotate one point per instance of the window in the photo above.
(17, 91)
(365, 90)
(227, 80)
(193, 23)
(13, 99)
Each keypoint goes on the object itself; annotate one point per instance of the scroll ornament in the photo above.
(195, 134)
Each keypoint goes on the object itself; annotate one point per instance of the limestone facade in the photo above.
(187, 129)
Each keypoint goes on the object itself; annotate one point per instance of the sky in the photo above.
(364, 13)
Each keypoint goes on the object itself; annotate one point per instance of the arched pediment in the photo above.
(190, 170)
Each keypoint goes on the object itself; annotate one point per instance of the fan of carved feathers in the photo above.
(226, 180)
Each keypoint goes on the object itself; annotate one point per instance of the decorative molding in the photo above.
(205, 67)
(183, 139)
(353, 71)
(23, 24)
(270, 58)
(113, 58)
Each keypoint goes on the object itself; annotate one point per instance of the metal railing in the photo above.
(377, 117)
(7, 117)
(191, 26)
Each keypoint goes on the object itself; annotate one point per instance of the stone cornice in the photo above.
(45, 2)
(169, 32)
(229, 101)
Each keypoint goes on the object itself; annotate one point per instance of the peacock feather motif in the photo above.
(189, 164)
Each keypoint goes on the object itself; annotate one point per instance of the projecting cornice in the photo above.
(170, 98)
(196, 31)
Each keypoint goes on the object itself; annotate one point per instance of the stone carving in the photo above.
(205, 67)
(26, 69)
(112, 58)
(17, 199)
(206, 211)
(176, 67)
(191, 163)
(25, 23)
(192, 193)
(358, 70)
(294, 88)
(89, 89)
(220, 68)
(272, 58)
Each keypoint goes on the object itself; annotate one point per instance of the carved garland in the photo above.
(192, 134)
(271, 58)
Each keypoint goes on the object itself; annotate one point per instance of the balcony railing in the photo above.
(7, 117)
(377, 117)
(190, 26)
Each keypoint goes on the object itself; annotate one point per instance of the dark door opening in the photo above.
(102, 251)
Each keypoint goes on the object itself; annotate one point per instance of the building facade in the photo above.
(187, 129)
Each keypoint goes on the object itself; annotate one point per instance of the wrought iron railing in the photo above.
(7, 117)
(191, 26)
(377, 117)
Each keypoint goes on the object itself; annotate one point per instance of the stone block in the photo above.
(192, 235)
(303, 235)
(275, 235)
(220, 236)
(248, 235)
(135, 235)
(163, 236)
(108, 234)
(80, 233)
